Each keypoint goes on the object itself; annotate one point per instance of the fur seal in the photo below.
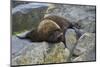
(51, 29)
(47, 30)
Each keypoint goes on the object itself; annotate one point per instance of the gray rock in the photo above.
(25, 8)
(57, 54)
(27, 16)
(85, 48)
(84, 16)
(17, 45)
(32, 54)
(39, 53)
(72, 12)
(87, 26)
(71, 39)
(86, 56)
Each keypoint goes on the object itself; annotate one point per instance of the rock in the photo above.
(85, 48)
(84, 16)
(31, 54)
(15, 3)
(28, 7)
(57, 54)
(27, 16)
(71, 39)
(18, 45)
(40, 53)
(73, 13)
(86, 56)
(87, 26)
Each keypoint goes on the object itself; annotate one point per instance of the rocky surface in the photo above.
(71, 39)
(41, 53)
(85, 48)
(78, 49)
(84, 16)
(27, 16)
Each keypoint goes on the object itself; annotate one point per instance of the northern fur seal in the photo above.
(51, 29)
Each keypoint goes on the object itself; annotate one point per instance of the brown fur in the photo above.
(62, 22)
(50, 29)
(47, 30)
